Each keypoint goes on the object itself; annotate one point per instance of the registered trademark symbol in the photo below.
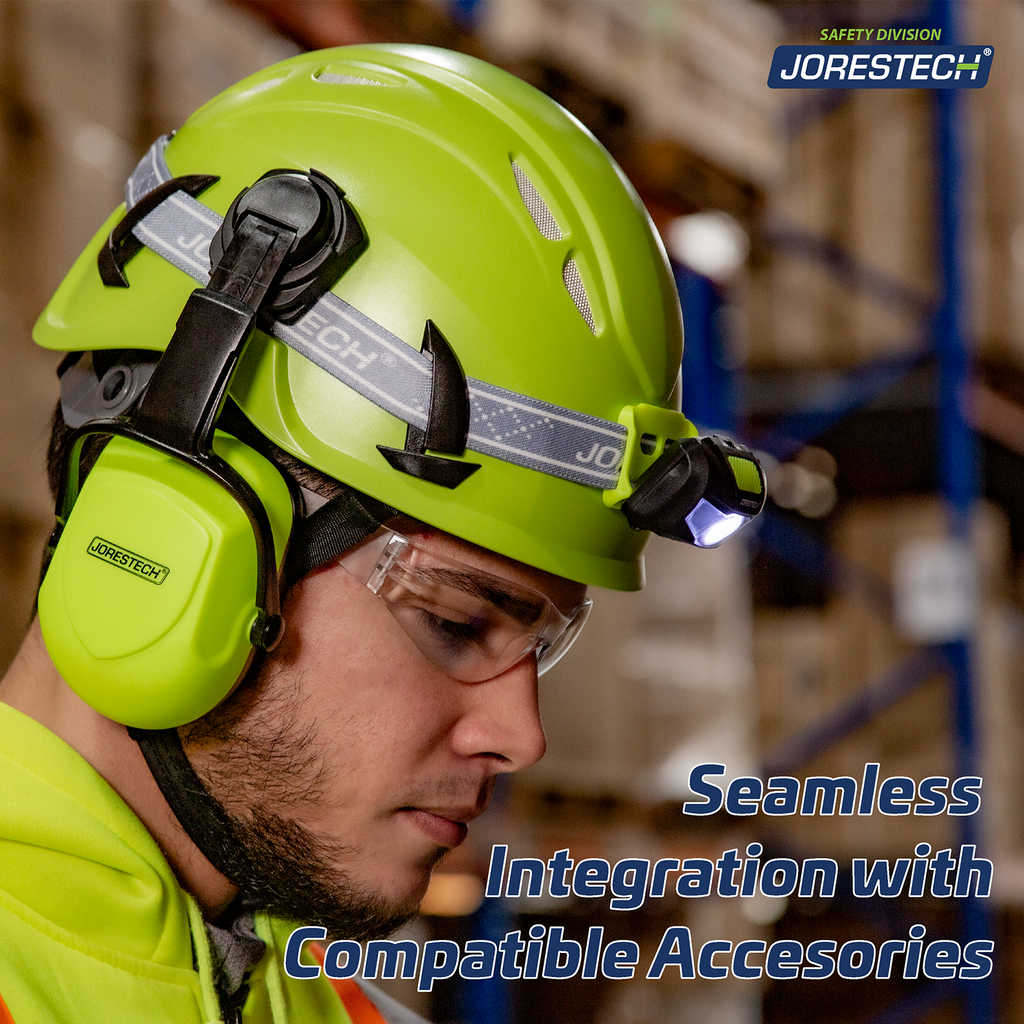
(987, 51)
(388, 360)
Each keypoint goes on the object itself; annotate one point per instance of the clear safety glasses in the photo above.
(470, 624)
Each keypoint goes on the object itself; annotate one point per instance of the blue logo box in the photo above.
(880, 67)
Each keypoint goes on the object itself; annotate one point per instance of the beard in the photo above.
(286, 876)
(256, 761)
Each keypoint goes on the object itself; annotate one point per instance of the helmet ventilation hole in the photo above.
(542, 217)
(574, 283)
(268, 84)
(333, 78)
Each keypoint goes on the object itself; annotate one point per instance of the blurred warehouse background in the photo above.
(854, 304)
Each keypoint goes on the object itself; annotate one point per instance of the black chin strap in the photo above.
(282, 245)
(335, 527)
(332, 529)
(204, 820)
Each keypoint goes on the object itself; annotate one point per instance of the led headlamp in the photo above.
(701, 491)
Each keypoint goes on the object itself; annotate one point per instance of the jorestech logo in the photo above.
(880, 67)
(129, 561)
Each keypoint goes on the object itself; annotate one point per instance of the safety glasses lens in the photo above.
(470, 624)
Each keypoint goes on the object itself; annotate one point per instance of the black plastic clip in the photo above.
(447, 421)
(122, 245)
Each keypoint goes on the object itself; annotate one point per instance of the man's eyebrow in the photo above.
(523, 609)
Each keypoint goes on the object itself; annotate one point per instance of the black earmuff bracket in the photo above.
(283, 244)
(329, 237)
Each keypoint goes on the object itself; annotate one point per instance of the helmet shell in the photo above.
(427, 144)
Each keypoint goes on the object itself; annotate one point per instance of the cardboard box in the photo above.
(82, 60)
(21, 546)
(692, 72)
(200, 48)
(871, 532)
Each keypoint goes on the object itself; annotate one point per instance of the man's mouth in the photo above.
(447, 823)
(445, 826)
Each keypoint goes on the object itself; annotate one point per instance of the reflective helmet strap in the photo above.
(384, 369)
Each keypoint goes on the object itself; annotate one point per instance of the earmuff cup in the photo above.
(148, 604)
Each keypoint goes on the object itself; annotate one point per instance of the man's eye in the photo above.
(452, 631)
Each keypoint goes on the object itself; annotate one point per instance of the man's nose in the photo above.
(501, 719)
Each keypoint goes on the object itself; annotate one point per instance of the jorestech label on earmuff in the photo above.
(137, 565)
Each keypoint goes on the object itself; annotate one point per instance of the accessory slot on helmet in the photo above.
(447, 421)
(123, 243)
(471, 624)
(91, 391)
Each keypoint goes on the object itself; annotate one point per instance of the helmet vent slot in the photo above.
(268, 84)
(542, 216)
(334, 78)
(574, 284)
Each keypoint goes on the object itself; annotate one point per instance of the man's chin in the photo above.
(384, 905)
(291, 875)
(406, 885)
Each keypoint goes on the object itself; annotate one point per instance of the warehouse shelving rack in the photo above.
(958, 465)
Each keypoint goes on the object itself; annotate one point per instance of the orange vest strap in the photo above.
(356, 1002)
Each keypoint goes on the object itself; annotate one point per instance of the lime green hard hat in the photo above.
(490, 212)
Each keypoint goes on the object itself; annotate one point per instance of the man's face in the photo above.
(352, 764)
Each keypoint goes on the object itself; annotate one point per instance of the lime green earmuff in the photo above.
(165, 565)
(149, 602)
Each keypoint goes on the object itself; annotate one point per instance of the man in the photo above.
(262, 691)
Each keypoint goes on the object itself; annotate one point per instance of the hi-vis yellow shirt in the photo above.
(94, 927)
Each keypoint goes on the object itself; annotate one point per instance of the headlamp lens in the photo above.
(710, 526)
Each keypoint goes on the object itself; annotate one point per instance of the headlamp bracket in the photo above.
(649, 428)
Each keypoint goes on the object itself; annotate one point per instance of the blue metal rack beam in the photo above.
(958, 455)
(891, 687)
(959, 475)
(836, 398)
(850, 269)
